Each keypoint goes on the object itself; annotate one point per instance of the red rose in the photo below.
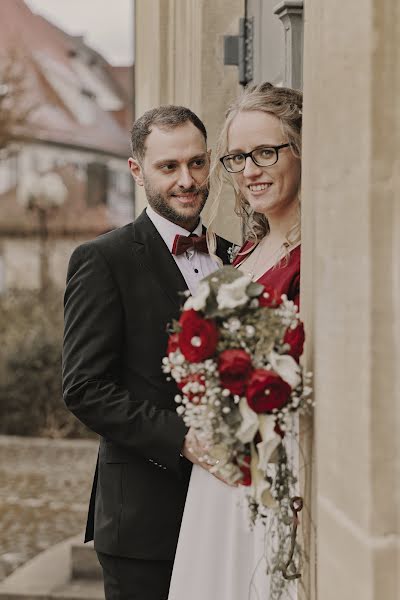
(245, 468)
(295, 339)
(266, 391)
(234, 370)
(198, 337)
(270, 298)
(193, 378)
(173, 343)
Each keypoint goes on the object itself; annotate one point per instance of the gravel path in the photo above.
(44, 493)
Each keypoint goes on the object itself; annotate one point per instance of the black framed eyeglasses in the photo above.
(266, 156)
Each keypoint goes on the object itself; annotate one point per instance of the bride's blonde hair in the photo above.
(285, 104)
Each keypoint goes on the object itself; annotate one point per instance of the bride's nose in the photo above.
(250, 168)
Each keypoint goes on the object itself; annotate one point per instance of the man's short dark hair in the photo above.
(164, 117)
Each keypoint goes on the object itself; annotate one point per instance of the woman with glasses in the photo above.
(218, 556)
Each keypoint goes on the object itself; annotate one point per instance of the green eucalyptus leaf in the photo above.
(254, 289)
(225, 275)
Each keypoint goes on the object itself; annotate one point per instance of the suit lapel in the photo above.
(153, 253)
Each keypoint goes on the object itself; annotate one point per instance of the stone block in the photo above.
(84, 563)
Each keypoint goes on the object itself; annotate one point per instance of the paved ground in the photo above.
(44, 492)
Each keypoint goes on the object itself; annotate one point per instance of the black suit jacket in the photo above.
(122, 291)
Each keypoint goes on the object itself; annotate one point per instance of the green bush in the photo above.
(30, 367)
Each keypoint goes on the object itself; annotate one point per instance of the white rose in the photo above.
(231, 295)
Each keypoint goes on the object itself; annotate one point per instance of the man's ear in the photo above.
(136, 171)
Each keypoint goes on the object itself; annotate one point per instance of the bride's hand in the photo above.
(195, 451)
(218, 476)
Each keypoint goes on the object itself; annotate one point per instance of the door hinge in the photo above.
(238, 50)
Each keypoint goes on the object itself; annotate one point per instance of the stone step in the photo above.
(75, 590)
(48, 577)
(79, 589)
(84, 563)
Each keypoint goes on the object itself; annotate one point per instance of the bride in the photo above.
(218, 557)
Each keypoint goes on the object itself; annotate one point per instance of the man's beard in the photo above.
(158, 203)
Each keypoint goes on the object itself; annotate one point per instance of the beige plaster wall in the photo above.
(351, 287)
(179, 60)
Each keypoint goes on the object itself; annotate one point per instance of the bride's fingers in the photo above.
(212, 467)
(198, 453)
(216, 474)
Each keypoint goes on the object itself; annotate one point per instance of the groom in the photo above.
(123, 288)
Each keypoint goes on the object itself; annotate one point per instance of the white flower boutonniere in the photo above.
(233, 251)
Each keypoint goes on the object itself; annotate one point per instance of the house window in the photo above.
(97, 183)
(121, 183)
(2, 275)
(8, 172)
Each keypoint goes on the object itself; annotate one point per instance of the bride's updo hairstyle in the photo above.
(285, 104)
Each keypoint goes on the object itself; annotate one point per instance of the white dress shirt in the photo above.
(193, 265)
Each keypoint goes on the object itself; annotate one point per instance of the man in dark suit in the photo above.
(123, 288)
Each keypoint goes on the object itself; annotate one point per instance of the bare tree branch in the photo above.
(15, 107)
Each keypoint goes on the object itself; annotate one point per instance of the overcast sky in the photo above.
(107, 25)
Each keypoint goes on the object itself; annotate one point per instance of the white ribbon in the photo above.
(270, 441)
(286, 367)
(249, 425)
(260, 488)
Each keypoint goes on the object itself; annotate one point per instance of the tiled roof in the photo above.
(70, 85)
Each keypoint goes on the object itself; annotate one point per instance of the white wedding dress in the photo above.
(218, 556)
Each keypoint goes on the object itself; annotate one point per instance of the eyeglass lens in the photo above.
(263, 157)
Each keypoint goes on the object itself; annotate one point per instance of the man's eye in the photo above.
(200, 162)
(168, 167)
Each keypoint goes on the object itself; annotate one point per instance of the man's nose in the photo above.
(250, 168)
(185, 179)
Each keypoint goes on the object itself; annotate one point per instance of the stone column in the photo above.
(152, 60)
(179, 60)
(290, 12)
(351, 290)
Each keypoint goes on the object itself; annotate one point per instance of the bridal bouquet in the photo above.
(234, 354)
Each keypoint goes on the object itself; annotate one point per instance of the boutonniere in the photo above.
(233, 251)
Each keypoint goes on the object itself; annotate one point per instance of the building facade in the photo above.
(77, 126)
(347, 61)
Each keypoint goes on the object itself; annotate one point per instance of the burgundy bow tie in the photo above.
(185, 242)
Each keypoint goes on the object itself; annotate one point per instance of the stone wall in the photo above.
(351, 286)
(179, 60)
